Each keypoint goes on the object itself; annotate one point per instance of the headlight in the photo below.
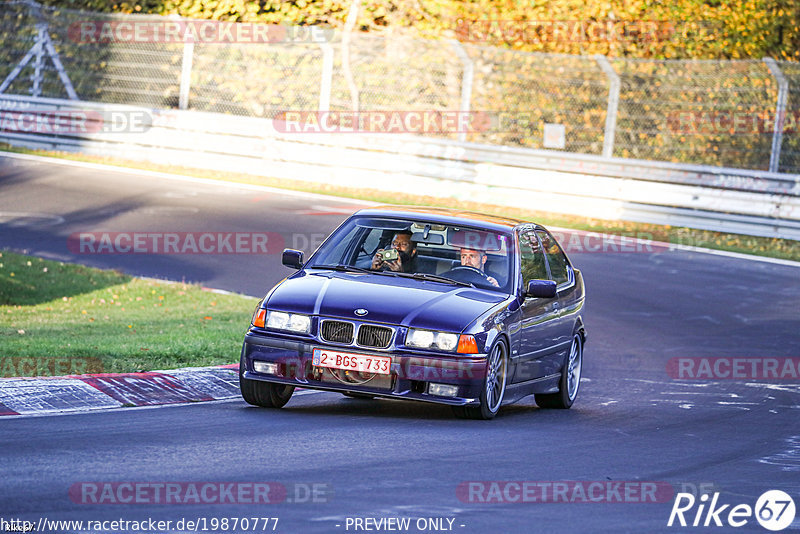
(293, 322)
(428, 339)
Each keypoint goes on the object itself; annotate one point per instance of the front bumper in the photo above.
(409, 378)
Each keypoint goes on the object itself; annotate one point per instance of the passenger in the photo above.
(477, 260)
(407, 258)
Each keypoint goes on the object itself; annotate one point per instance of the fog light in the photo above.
(266, 368)
(443, 390)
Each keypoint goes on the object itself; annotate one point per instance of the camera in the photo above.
(389, 255)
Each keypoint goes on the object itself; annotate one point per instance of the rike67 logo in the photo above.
(774, 510)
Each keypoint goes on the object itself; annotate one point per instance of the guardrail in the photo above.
(712, 198)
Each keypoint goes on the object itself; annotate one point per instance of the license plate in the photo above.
(352, 362)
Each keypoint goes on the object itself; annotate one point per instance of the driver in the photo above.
(477, 260)
(407, 258)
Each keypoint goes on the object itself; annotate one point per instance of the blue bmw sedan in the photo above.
(425, 304)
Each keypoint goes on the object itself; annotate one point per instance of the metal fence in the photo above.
(719, 113)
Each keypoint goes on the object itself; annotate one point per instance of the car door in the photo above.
(564, 305)
(538, 331)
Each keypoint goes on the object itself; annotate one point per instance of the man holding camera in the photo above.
(401, 257)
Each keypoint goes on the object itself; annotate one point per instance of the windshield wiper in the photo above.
(342, 267)
(436, 278)
(353, 269)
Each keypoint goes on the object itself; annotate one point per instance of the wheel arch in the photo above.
(493, 335)
(580, 328)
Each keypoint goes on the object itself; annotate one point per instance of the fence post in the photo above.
(186, 70)
(780, 113)
(349, 25)
(326, 77)
(62, 72)
(38, 62)
(613, 105)
(466, 81)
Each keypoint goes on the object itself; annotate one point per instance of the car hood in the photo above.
(390, 300)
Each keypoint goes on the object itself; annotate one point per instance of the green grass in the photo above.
(762, 246)
(58, 318)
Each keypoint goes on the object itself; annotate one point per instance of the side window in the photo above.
(555, 257)
(369, 245)
(372, 242)
(337, 251)
(532, 261)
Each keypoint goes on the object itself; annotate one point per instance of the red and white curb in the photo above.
(79, 393)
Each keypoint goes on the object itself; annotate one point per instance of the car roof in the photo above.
(444, 216)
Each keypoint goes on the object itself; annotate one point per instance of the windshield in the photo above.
(462, 254)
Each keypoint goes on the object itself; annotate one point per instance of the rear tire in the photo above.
(264, 394)
(570, 379)
(494, 386)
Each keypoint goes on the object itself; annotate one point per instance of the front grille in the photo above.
(374, 336)
(337, 331)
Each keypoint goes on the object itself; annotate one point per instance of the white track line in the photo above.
(150, 407)
(183, 178)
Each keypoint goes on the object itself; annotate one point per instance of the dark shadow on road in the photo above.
(50, 241)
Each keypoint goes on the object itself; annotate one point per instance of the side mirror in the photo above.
(541, 288)
(292, 258)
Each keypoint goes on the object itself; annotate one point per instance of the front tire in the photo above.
(494, 386)
(264, 394)
(570, 379)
